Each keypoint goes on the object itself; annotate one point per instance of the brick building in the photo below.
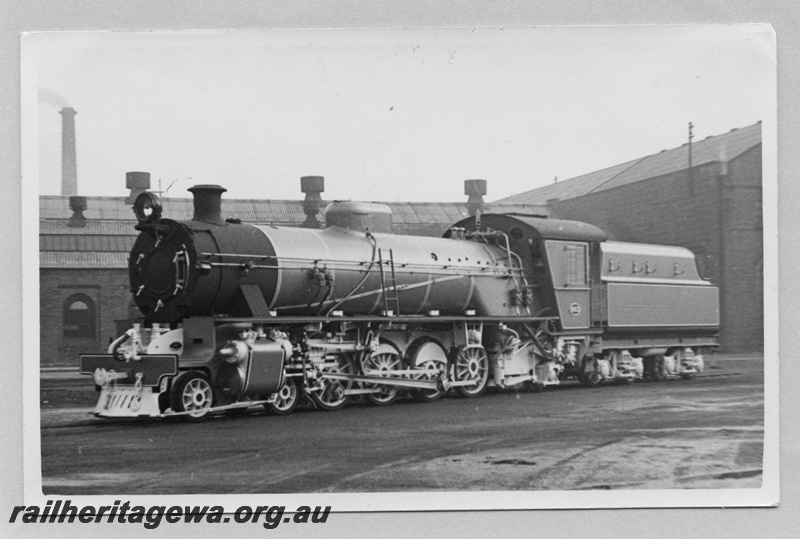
(714, 209)
(85, 298)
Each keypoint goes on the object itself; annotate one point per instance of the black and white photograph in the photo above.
(432, 269)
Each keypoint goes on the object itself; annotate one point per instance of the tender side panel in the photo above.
(633, 262)
(643, 305)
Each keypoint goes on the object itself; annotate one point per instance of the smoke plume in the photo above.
(49, 97)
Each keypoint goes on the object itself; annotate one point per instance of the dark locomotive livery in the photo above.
(237, 315)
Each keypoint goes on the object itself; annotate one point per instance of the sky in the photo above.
(394, 115)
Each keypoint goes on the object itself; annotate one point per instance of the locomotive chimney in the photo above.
(69, 168)
(475, 189)
(78, 206)
(312, 186)
(208, 203)
(138, 183)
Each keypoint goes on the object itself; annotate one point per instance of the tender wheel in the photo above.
(332, 396)
(430, 370)
(688, 375)
(591, 379)
(657, 374)
(384, 363)
(191, 392)
(471, 364)
(286, 398)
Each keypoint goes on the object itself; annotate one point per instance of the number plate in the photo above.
(127, 402)
(123, 398)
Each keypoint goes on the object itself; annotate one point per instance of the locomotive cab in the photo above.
(555, 255)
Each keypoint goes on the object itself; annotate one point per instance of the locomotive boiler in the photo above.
(237, 315)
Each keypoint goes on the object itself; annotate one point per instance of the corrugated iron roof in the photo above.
(571, 188)
(85, 260)
(717, 148)
(85, 243)
(92, 228)
(433, 230)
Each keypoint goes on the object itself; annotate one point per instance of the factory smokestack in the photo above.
(69, 162)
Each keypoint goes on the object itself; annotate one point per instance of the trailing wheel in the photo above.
(332, 395)
(430, 370)
(191, 392)
(471, 364)
(286, 398)
(382, 364)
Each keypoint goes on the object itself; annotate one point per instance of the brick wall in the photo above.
(744, 251)
(716, 214)
(108, 289)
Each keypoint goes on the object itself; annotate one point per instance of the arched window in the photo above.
(80, 317)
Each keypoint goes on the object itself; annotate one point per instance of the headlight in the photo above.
(147, 208)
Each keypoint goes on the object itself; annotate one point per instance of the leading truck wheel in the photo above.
(286, 398)
(192, 393)
(471, 364)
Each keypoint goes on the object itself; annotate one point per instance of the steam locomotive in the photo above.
(237, 315)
